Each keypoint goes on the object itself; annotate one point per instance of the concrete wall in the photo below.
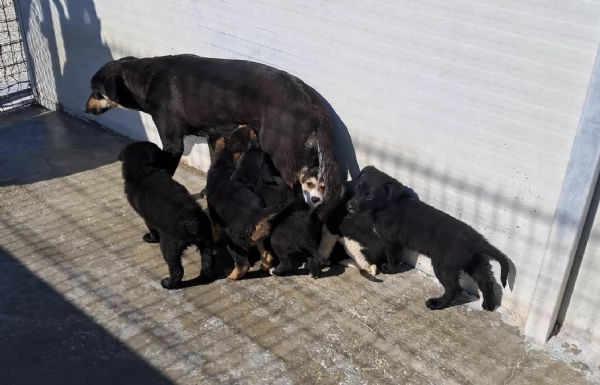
(473, 104)
(581, 307)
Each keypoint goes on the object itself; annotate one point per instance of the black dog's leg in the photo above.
(211, 141)
(482, 274)
(152, 236)
(171, 134)
(394, 260)
(172, 250)
(285, 265)
(449, 280)
(207, 262)
(240, 259)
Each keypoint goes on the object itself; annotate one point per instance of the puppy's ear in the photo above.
(364, 171)
(393, 191)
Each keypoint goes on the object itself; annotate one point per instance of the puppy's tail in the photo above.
(502, 259)
(262, 222)
(329, 169)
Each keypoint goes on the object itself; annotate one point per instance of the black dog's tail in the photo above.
(262, 219)
(329, 170)
(502, 259)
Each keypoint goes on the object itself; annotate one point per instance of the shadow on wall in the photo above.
(45, 337)
(66, 49)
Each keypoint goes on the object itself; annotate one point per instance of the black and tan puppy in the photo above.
(293, 237)
(452, 245)
(173, 217)
(235, 210)
(192, 95)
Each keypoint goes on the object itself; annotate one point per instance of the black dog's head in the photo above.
(374, 191)
(109, 89)
(140, 159)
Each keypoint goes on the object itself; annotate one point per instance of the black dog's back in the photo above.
(168, 207)
(432, 232)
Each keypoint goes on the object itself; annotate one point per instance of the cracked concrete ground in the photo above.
(81, 300)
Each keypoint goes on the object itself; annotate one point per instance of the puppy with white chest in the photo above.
(452, 245)
(354, 232)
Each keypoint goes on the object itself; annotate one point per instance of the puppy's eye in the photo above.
(369, 197)
(310, 184)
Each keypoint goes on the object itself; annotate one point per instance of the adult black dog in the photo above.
(192, 95)
(233, 207)
(452, 245)
(293, 236)
(173, 217)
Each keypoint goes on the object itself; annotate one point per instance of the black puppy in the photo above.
(452, 245)
(293, 237)
(236, 211)
(193, 95)
(353, 232)
(173, 217)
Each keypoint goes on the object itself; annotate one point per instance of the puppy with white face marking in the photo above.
(355, 233)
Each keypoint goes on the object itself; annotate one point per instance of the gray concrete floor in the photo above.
(81, 301)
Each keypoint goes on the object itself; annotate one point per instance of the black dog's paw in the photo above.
(166, 283)
(385, 268)
(314, 269)
(149, 238)
(488, 306)
(434, 304)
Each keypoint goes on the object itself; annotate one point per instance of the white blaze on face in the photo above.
(103, 103)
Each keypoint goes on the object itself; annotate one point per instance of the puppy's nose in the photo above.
(315, 199)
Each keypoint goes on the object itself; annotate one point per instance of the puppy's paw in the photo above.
(372, 270)
(203, 194)
(168, 284)
(150, 238)
(488, 306)
(314, 271)
(434, 304)
(327, 262)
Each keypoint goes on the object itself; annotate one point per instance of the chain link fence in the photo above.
(15, 87)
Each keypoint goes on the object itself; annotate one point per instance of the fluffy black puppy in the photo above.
(173, 217)
(452, 245)
(293, 237)
(236, 211)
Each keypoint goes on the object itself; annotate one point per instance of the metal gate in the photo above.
(15, 87)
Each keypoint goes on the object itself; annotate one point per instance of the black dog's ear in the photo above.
(365, 170)
(393, 191)
(128, 58)
(114, 87)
